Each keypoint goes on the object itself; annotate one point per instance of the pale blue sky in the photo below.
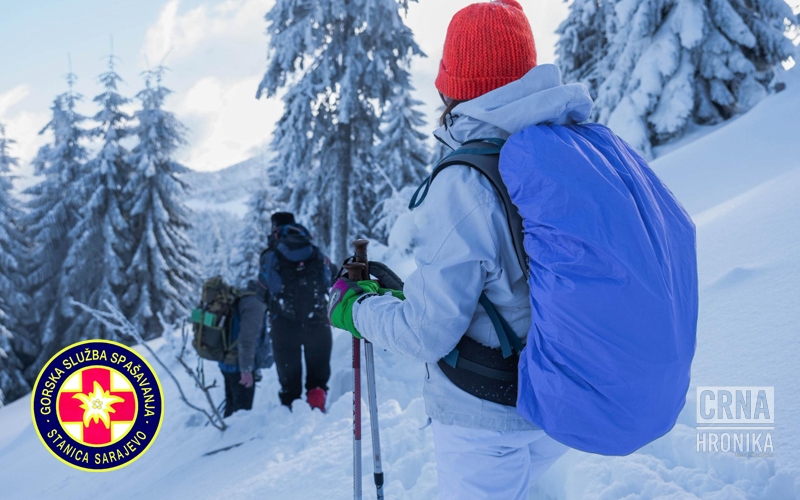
(217, 51)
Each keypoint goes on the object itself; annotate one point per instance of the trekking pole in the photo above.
(369, 358)
(355, 272)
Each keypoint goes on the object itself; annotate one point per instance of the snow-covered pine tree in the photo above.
(53, 212)
(288, 185)
(403, 155)
(670, 63)
(253, 238)
(583, 42)
(163, 275)
(219, 260)
(215, 235)
(339, 60)
(96, 262)
(12, 299)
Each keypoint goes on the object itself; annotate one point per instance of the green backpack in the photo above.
(211, 321)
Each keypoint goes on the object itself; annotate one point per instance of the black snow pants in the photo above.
(293, 340)
(237, 396)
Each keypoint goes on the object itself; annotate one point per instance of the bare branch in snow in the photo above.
(115, 321)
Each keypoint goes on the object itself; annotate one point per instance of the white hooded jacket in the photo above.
(464, 248)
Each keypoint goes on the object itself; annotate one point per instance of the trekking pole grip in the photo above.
(361, 255)
(355, 270)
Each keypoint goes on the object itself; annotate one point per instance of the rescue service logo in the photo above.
(97, 405)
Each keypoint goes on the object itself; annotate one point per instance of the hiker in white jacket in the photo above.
(464, 248)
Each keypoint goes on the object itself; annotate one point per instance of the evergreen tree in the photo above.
(215, 234)
(218, 263)
(253, 238)
(403, 156)
(53, 213)
(12, 301)
(340, 60)
(661, 65)
(96, 261)
(162, 276)
(583, 42)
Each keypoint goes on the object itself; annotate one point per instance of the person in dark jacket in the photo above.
(296, 276)
(248, 327)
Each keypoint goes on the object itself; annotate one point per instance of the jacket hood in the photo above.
(538, 98)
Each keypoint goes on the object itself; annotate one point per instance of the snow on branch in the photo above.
(115, 321)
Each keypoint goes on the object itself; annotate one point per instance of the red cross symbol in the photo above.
(70, 410)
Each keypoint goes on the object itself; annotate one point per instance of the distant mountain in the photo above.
(227, 189)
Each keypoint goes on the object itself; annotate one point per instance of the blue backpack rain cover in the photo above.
(613, 280)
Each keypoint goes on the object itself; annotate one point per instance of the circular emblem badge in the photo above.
(97, 405)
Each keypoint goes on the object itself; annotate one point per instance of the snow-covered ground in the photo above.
(740, 184)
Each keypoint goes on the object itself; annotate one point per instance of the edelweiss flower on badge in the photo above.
(97, 405)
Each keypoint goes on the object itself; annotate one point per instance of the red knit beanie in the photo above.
(488, 45)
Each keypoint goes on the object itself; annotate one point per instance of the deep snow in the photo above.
(740, 184)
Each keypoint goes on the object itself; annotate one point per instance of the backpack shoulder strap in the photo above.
(484, 156)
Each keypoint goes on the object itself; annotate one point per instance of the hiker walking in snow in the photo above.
(466, 310)
(248, 331)
(484, 449)
(296, 276)
(229, 327)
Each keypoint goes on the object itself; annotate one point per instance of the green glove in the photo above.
(390, 283)
(398, 294)
(344, 294)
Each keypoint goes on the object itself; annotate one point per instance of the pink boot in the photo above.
(316, 399)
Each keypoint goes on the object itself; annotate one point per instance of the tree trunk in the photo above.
(340, 226)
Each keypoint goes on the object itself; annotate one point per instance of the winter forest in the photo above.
(122, 204)
(108, 218)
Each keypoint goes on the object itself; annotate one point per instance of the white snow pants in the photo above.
(477, 464)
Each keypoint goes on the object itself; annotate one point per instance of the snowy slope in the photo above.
(740, 183)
